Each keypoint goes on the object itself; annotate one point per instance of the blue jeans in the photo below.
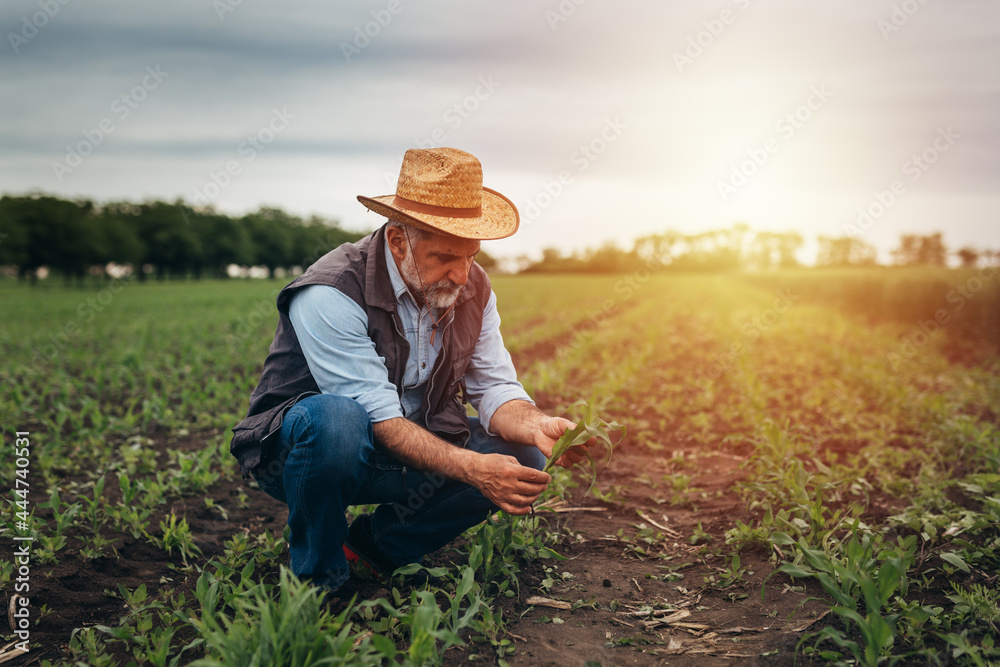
(326, 461)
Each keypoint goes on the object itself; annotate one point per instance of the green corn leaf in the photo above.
(782, 539)
(795, 571)
(589, 426)
(956, 560)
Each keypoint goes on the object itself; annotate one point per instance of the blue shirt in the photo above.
(333, 333)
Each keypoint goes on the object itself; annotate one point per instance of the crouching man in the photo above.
(361, 399)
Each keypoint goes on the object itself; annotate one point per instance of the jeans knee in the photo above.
(526, 455)
(532, 458)
(336, 428)
(343, 409)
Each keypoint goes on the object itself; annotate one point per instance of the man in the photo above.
(359, 400)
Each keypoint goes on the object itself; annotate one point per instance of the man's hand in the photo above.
(549, 430)
(520, 421)
(507, 484)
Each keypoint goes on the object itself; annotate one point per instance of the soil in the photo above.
(602, 572)
(79, 592)
(704, 624)
(724, 626)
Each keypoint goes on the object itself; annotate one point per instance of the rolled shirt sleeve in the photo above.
(333, 333)
(490, 379)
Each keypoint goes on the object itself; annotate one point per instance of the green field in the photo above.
(864, 470)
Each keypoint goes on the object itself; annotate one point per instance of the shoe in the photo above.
(337, 600)
(360, 550)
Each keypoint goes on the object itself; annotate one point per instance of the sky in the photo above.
(601, 121)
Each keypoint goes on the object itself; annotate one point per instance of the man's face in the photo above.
(439, 263)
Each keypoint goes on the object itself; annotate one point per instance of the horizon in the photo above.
(749, 244)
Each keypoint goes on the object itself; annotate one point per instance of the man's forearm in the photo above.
(509, 485)
(517, 421)
(422, 450)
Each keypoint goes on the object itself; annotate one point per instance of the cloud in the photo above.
(559, 81)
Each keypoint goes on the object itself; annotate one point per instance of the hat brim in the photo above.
(498, 219)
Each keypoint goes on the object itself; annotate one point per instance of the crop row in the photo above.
(836, 435)
(877, 480)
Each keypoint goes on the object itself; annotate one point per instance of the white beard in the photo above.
(439, 295)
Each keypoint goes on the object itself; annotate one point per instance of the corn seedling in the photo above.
(86, 643)
(6, 570)
(814, 403)
(699, 535)
(291, 629)
(868, 574)
(177, 535)
(94, 507)
(728, 576)
(62, 513)
(588, 427)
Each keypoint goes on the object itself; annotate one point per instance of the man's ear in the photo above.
(396, 239)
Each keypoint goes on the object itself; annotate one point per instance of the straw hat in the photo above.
(441, 189)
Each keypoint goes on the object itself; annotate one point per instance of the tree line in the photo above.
(739, 248)
(77, 238)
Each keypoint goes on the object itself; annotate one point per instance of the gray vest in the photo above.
(359, 270)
